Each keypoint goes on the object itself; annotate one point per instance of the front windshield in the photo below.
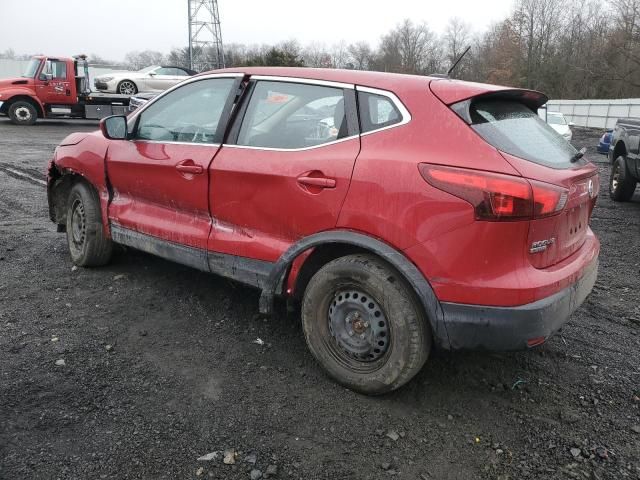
(32, 68)
(555, 119)
(148, 69)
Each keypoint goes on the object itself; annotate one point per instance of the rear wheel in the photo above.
(88, 244)
(363, 325)
(127, 87)
(621, 183)
(23, 113)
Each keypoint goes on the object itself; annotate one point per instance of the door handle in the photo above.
(322, 182)
(188, 166)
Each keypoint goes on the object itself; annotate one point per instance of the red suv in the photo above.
(403, 211)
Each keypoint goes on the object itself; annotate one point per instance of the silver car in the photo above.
(151, 79)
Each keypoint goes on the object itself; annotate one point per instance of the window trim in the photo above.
(307, 81)
(404, 112)
(132, 122)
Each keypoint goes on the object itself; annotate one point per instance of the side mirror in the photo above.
(114, 127)
(152, 74)
(46, 77)
(571, 124)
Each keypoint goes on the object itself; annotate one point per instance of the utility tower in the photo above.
(205, 37)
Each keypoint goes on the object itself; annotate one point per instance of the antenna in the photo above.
(455, 64)
(205, 36)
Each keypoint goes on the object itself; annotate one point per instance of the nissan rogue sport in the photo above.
(403, 212)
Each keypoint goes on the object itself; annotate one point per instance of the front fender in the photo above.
(8, 94)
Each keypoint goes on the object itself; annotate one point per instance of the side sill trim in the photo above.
(244, 270)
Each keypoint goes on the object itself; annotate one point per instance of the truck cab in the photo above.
(54, 87)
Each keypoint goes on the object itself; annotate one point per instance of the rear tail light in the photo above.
(495, 196)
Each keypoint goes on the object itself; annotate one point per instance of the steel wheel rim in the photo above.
(615, 178)
(358, 328)
(127, 88)
(23, 113)
(78, 224)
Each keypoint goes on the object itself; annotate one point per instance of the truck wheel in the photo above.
(23, 113)
(127, 87)
(621, 183)
(364, 326)
(88, 245)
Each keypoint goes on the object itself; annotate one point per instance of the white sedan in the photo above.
(151, 79)
(557, 121)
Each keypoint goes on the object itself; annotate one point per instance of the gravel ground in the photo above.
(138, 369)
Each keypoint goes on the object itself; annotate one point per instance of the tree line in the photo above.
(565, 48)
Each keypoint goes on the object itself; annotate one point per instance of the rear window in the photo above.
(517, 130)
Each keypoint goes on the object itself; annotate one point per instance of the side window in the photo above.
(377, 111)
(189, 114)
(181, 73)
(293, 115)
(57, 70)
(166, 71)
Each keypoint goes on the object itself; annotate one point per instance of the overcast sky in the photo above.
(111, 28)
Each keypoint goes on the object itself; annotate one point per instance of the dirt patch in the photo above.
(161, 368)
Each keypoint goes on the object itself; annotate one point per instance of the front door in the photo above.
(53, 84)
(288, 170)
(160, 177)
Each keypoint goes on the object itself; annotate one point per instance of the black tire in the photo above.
(127, 87)
(621, 182)
(88, 244)
(23, 113)
(334, 293)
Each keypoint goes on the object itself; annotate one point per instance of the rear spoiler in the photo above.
(531, 98)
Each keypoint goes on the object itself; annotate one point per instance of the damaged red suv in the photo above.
(404, 212)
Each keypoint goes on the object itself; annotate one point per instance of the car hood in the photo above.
(121, 74)
(561, 129)
(74, 138)
(17, 81)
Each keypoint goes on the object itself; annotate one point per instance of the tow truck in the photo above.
(55, 87)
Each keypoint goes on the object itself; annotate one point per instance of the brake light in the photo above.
(495, 196)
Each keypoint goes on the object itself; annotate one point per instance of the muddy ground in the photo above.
(161, 368)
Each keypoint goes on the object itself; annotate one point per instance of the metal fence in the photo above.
(596, 113)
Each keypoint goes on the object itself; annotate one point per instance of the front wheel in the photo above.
(364, 326)
(127, 87)
(88, 244)
(23, 113)
(621, 183)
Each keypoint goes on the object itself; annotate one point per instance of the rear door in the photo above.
(287, 167)
(160, 177)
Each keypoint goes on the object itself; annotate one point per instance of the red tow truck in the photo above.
(53, 87)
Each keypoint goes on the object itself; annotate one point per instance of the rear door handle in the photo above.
(322, 182)
(189, 166)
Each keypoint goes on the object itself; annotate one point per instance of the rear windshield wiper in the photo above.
(578, 155)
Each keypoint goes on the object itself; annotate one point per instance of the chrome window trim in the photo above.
(404, 112)
(171, 142)
(310, 81)
(301, 149)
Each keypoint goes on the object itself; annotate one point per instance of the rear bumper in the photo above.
(509, 328)
(603, 148)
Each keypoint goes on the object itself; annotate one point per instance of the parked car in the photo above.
(605, 142)
(427, 213)
(150, 79)
(624, 158)
(139, 99)
(557, 121)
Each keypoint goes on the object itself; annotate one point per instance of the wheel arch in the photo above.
(619, 149)
(23, 98)
(60, 181)
(327, 246)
